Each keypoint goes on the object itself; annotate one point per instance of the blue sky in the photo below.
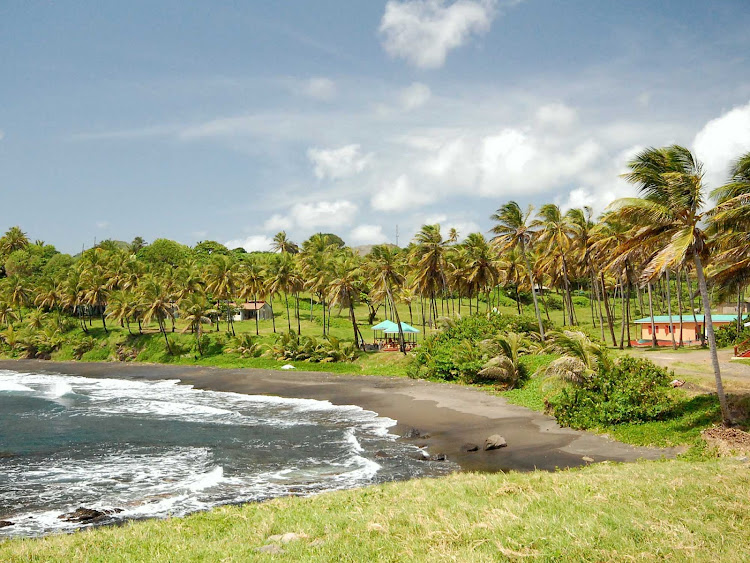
(232, 121)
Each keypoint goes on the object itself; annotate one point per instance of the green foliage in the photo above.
(455, 352)
(83, 345)
(554, 302)
(289, 346)
(631, 390)
(164, 251)
(727, 335)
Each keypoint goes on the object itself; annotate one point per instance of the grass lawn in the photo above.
(606, 512)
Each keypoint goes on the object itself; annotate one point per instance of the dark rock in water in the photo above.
(86, 515)
(5, 523)
(420, 455)
(413, 433)
(383, 455)
(439, 457)
(468, 447)
(494, 442)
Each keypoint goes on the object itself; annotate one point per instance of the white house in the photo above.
(249, 310)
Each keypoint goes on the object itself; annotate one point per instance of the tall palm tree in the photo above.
(429, 257)
(253, 284)
(384, 269)
(670, 216)
(16, 293)
(512, 230)
(482, 272)
(556, 232)
(222, 282)
(283, 279)
(345, 288)
(195, 311)
(156, 304)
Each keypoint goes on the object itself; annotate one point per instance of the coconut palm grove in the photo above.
(410, 280)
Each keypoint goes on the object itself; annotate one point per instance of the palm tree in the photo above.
(222, 282)
(195, 311)
(17, 293)
(429, 257)
(283, 245)
(253, 284)
(7, 314)
(384, 268)
(555, 234)
(156, 304)
(482, 272)
(514, 230)
(670, 217)
(282, 278)
(14, 239)
(345, 287)
(119, 307)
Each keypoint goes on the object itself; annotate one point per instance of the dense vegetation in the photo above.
(641, 246)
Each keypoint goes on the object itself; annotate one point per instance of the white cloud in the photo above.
(338, 163)
(463, 227)
(367, 234)
(401, 195)
(102, 224)
(423, 31)
(2, 134)
(251, 243)
(721, 141)
(320, 88)
(415, 96)
(277, 223)
(329, 214)
(556, 115)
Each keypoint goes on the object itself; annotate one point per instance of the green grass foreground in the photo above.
(647, 510)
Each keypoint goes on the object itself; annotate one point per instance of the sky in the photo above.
(231, 121)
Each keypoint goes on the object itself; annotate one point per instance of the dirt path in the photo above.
(696, 364)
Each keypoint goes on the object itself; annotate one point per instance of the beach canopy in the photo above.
(389, 327)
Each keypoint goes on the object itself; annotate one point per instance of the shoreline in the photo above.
(452, 415)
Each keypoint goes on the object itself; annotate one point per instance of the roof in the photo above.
(250, 305)
(389, 327)
(663, 319)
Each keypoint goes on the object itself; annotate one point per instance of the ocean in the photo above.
(152, 449)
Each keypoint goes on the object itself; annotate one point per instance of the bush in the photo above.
(727, 335)
(554, 302)
(455, 352)
(631, 390)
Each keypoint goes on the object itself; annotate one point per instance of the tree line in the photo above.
(662, 239)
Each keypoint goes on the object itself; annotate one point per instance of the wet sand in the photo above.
(452, 415)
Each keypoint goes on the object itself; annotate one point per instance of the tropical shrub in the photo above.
(290, 346)
(457, 353)
(630, 390)
(727, 335)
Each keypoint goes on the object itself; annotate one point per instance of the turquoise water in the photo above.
(154, 449)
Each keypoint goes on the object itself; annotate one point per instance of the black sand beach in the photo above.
(450, 415)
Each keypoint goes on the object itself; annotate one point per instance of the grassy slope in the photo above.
(647, 510)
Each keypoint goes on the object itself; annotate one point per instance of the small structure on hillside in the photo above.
(729, 308)
(251, 309)
(691, 330)
(385, 336)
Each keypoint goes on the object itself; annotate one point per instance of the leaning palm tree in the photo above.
(514, 230)
(670, 216)
(7, 314)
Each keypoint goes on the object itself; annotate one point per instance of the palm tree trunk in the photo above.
(354, 324)
(567, 289)
(273, 316)
(533, 291)
(257, 313)
(669, 311)
(401, 341)
(163, 330)
(622, 312)
(609, 313)
(296, 298)
(288, 318)
(739, 309)
(654, 342)
(711, 339)
(595, 285)
(679, 303)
